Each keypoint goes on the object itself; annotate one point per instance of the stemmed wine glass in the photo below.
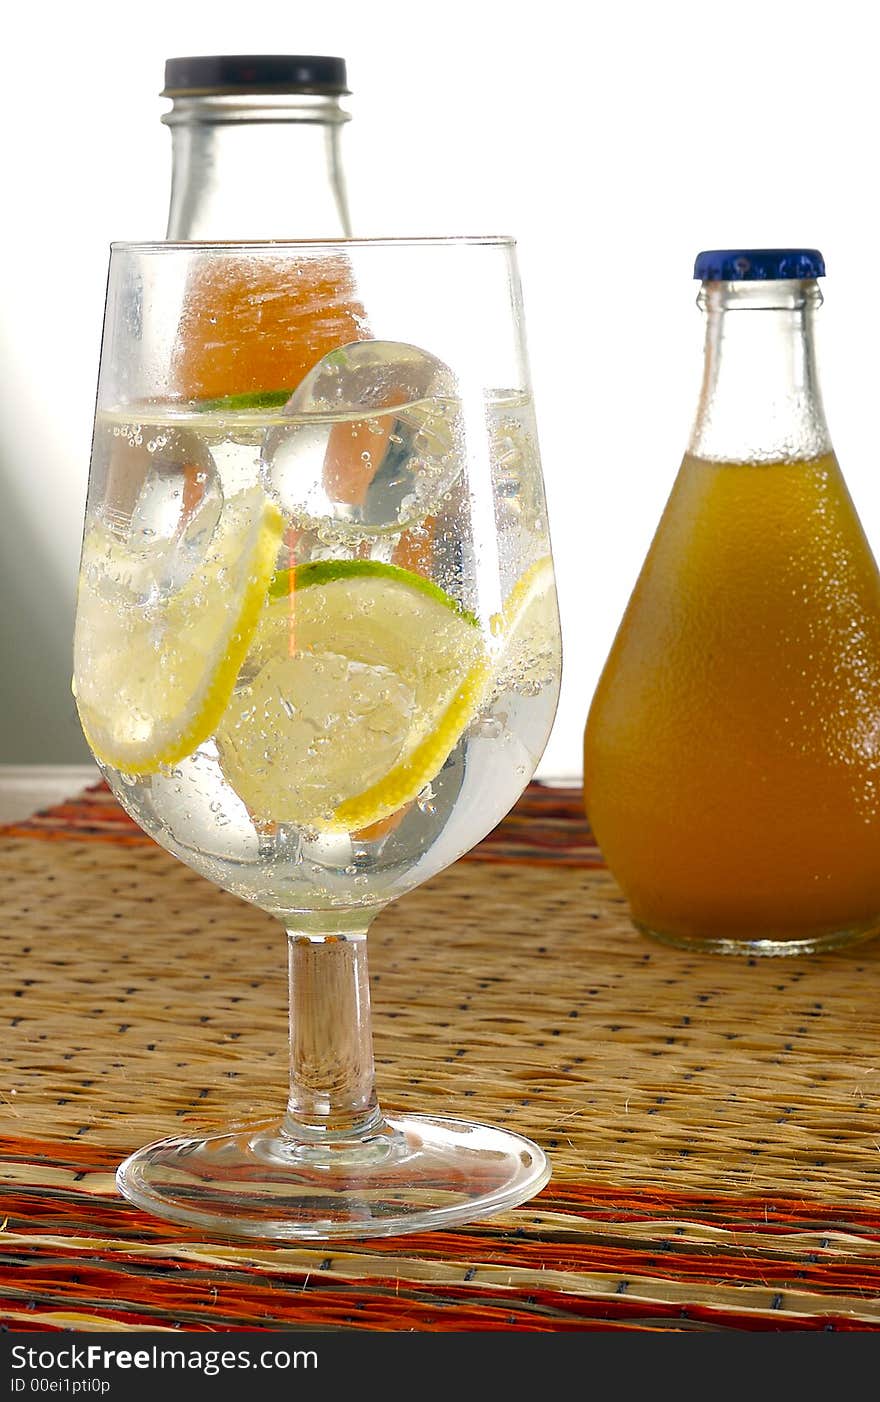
(317, 658)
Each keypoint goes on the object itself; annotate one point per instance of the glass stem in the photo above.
(332, 1075)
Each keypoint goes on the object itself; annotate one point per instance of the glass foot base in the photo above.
(413, 1173)
(811, 944)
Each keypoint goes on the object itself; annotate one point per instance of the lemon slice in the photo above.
(359, 683)
(527, 627)
(535, 587)
(152, 680)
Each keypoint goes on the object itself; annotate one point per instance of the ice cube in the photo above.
(159, 503)
(374, 443)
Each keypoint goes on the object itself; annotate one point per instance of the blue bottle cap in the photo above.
(758, 264)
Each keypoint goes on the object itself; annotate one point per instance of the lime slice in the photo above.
(359, 683)
(152, 680)
(324, 571)
(253, 399)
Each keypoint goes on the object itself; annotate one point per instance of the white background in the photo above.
(612, 140)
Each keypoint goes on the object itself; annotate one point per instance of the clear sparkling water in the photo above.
(458, 498)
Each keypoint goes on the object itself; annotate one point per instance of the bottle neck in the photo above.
(262, 166)
(760, 400)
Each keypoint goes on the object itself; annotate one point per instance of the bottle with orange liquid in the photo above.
(256, 155)
(732, 749)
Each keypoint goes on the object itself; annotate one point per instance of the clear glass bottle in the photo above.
(256, 155)
(256, 147)
(732, 749)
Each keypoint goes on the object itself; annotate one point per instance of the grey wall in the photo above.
(39, 721)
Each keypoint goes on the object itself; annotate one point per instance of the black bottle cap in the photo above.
(245, 73)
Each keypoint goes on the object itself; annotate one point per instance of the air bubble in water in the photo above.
(426, 799)
(488, 728)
